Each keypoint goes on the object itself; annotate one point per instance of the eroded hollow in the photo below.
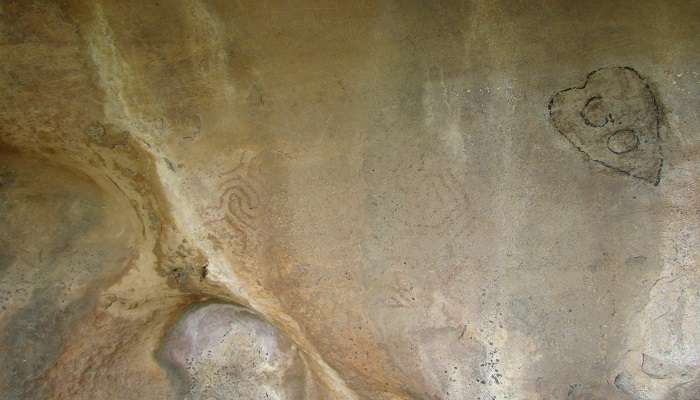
(222, 351)
(62, 237)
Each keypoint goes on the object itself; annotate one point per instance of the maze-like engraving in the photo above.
(234, 217)
(432, 200)
(614, 119)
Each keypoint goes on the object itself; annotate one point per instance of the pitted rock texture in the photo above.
(372, 192)
(222, 351)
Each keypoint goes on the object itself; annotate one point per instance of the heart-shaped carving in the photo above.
(614, 119)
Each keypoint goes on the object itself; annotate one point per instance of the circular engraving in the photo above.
(594, 113)
(623, 141)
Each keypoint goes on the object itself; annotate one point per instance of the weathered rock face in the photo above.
(349, 200)
(222, 351)
(63, 240)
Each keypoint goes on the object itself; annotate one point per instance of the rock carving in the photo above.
(614, 119)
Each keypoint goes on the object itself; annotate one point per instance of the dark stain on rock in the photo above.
(7, 177)
(35, 341)
(6, 259)
(635, 261)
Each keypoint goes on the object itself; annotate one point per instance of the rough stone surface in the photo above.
(392, 199)
(221, 351)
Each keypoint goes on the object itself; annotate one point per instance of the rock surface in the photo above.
(222, 351)
(392, 200)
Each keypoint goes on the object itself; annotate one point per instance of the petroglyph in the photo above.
(235, 214)
(427, 199)
(614, 119)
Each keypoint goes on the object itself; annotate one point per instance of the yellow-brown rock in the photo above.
(390, 200)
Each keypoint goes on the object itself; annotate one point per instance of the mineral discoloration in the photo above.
(53, 260)
(373, 193)
(223, 351)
